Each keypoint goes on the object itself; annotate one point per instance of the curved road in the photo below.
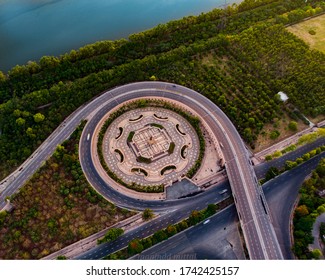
(249, 199)
(251, 206)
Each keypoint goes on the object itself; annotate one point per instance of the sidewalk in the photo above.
(90, 242)
(282, 144)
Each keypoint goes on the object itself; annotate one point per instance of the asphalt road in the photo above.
(279, 163)
(250, 202)
(216, 240)
(161, 222)
(281, 194)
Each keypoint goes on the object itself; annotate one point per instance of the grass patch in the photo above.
(130, 136)
(157, 125)
(312, 32)
(171, 148)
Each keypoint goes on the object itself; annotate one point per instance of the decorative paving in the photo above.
(147, 134)
(150, 142)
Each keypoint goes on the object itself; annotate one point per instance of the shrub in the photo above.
(312, 32)
(274, 134)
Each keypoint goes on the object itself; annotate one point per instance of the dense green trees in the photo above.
(310, 206)
(237, 57)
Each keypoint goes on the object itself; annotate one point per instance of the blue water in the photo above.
(30, 29)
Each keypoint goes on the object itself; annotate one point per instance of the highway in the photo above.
(249, 199)
(279, 163)
(161, 222)
(216, 240)
(281, 194)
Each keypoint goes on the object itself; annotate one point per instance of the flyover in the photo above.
(251, 206)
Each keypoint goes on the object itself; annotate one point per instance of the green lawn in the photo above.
(303, 29)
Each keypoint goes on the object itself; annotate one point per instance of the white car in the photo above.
(206, 221)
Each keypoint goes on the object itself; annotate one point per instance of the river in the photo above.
(30, 29)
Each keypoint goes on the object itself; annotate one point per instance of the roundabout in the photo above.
(249, 199)
(150, 146)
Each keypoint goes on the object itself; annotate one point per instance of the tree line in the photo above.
(253, 58)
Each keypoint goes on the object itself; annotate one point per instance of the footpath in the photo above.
(90, 242)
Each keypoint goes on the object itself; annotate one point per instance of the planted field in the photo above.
(55, 208)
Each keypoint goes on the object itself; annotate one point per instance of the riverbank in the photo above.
(56, 27)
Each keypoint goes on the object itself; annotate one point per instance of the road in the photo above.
(165, 219)
(249, 199)
(216, 240)
(279, 163)
(281, 194)
(251, 206)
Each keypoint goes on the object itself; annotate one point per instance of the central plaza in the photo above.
(150, 146)
(151, 142)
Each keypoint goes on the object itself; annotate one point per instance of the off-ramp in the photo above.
(252, 209)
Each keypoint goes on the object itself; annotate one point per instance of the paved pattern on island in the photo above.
(151, 142)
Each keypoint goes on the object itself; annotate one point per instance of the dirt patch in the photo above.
(264, 141)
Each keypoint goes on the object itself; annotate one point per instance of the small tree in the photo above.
(147, 214)
(293, 126)
(159, 236)
(271, 173)
(195, 217)
(39, 117)
(316, 254)
(274, 134)
(302, 210)
(135, 247)
(211, 209)
(111, 235)
(147, 242)
(182, 225)
(171, 230)
(268, 158)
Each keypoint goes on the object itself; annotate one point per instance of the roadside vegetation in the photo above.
(239, 57)
(147, 214)
(55, 208)
(136, 246)
(289, 164)
(310, 206)
(111, 235)
(303, 140)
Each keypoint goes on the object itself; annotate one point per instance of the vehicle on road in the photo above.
(223, 191)
(88, 136)
(206, 221)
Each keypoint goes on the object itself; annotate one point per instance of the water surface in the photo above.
(30, 29)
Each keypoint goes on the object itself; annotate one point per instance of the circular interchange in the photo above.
(256, 224)
(150, 146)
